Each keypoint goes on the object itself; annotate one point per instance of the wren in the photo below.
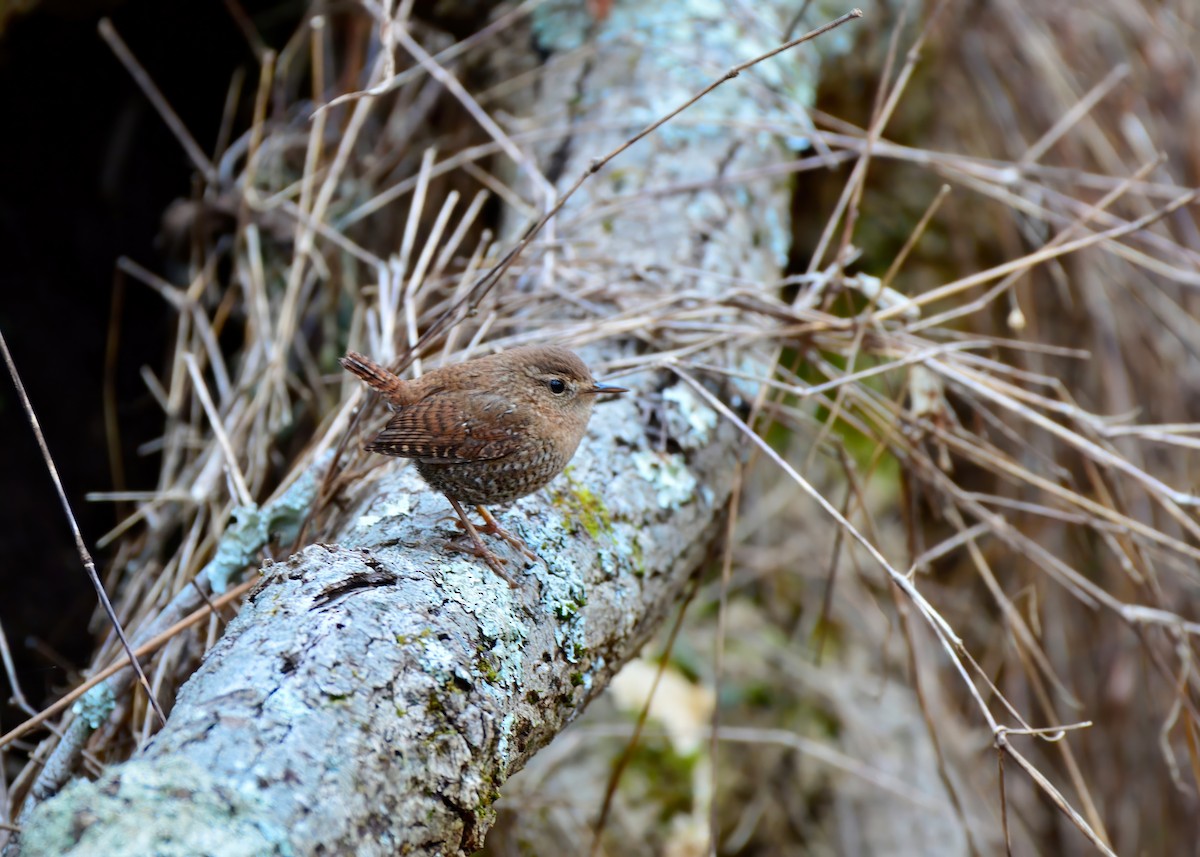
(489, 430)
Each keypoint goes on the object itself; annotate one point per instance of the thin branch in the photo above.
(199, 159)
(84, 556)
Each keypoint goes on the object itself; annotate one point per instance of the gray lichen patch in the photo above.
(96, 705)
(689, 421)
(387, 507)
(563, 598)
(673, 483)
(242, 543)
(207, 817)
(502, 635)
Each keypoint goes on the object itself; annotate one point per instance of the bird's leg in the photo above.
(480, 549)
(493, 528)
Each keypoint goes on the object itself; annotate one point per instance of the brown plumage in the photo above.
(488, 430)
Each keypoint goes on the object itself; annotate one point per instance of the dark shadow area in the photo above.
(88, 169)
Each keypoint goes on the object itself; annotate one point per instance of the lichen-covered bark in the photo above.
(375, 693)
(371, 697)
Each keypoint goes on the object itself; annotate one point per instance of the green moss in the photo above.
(582, 508)
(487, 669)
(639, 556)
(577, 679)
(419, 639)
(434, 705)
(567, 609)
(489, 793)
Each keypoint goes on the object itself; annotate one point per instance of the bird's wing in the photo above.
(453, 426)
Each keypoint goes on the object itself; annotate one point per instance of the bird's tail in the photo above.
(376, 377)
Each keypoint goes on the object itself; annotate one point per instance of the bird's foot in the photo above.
(492, 527)
(481, 551)
(478, 548)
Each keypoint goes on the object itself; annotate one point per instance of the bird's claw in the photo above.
(481, 551)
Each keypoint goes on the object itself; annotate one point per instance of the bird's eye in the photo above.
(557, 386)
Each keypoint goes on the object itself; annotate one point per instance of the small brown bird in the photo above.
(489, 430)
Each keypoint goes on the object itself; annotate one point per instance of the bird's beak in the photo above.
(605, 388)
